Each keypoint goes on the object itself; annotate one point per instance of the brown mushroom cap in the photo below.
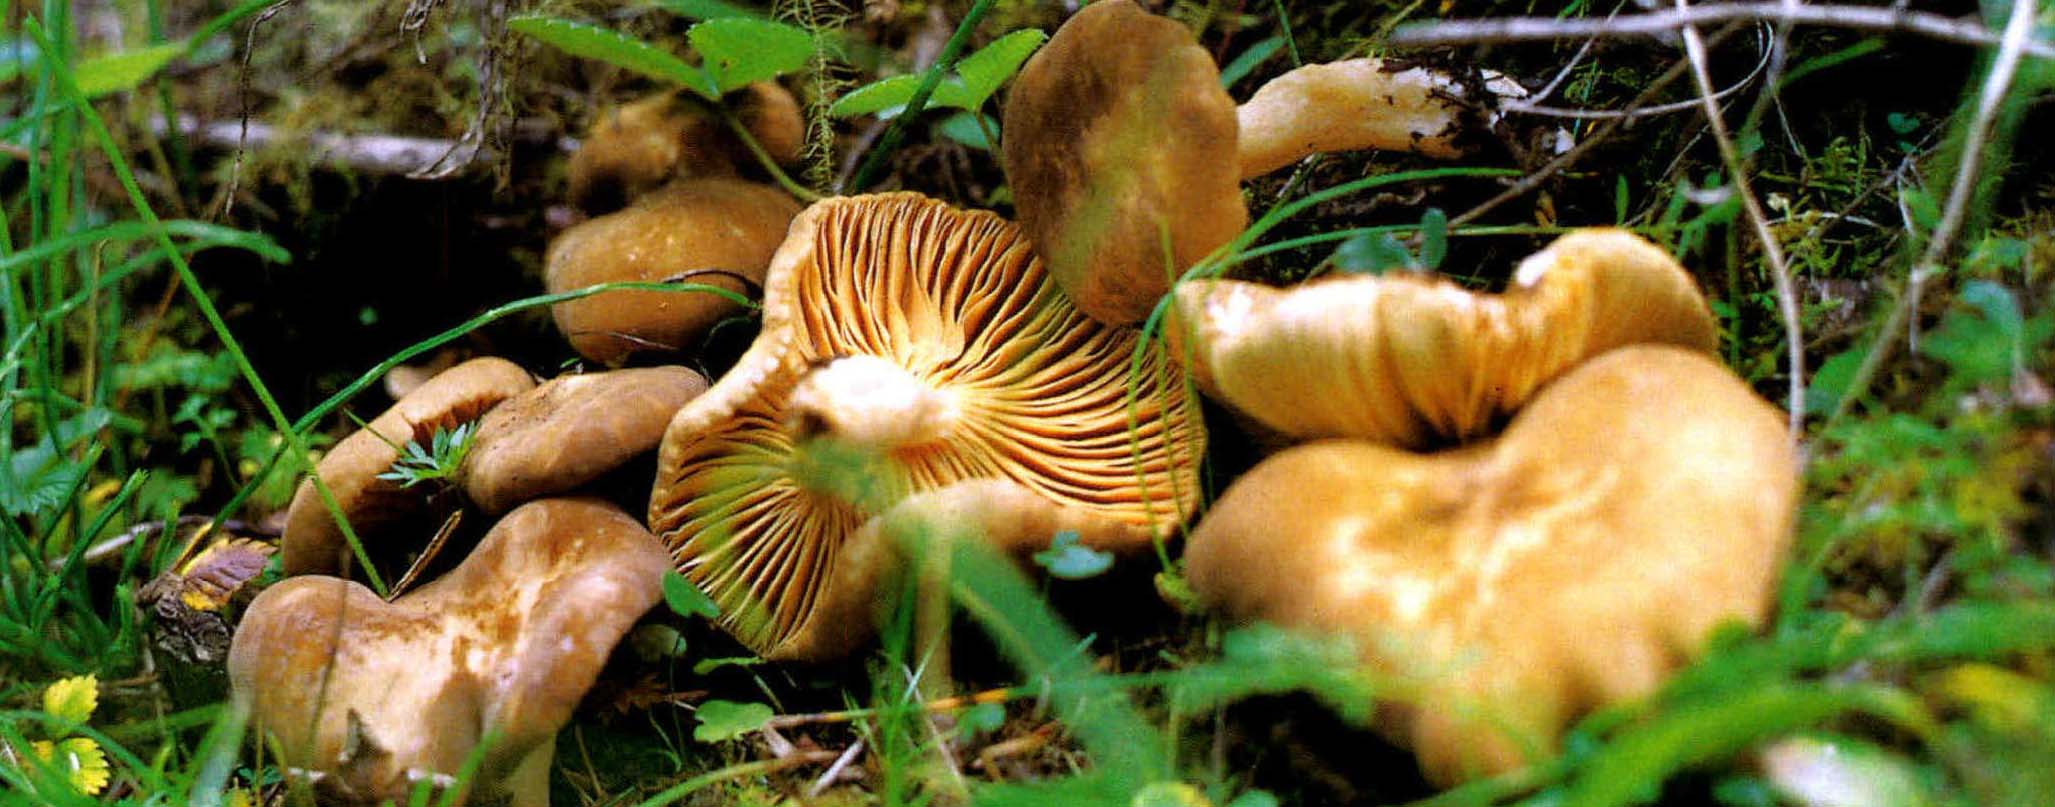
(1118, 146)
(1637, 502)
(372, 695)
(638, 147)
(313, 543)
(725, 224)
(931, 338)
(1360, 104)
(1409, 359)
(571, 430)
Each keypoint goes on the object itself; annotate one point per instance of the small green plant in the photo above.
(966, 89)
(61, 761)
(439, 461)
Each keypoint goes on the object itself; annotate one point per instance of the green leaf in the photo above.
(726, 720)
(985, 71)
(706, 9)
(627, 53)
(963, 127)
(983, 718)
(1249, 59)
(1254, 798)
(1433, 239)
(73, 700)
(1831, 382)
(115, 72)
(1372, 254)
(1067, 559)
(686, 599)
(709, 665)
(735, 51)
(876, 97)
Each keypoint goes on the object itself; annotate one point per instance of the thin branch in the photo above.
(1996, 85)
(1780, 270)
(1598, 135)
(1662, 23)
(367, 153)
(1525, 106)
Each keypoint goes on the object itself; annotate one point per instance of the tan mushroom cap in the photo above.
(1636, 503)
(1362, 104)
(571, 430)
(907, 346)
(1119, 146)
(640, 146)
(313, 543)
(373, 696)
(726, 224)
(1410, 359)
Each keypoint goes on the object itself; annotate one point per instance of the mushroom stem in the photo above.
(873, 403)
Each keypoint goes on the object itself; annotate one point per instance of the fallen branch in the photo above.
(1665, 23)
(1773, 252)
(370, 153)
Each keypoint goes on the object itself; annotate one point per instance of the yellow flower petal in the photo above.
(73, 700)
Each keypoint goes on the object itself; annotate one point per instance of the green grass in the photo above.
(1915, 626)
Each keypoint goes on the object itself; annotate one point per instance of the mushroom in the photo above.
(640, 146)
(570, 431)
(1363, 104)
(1118, 144)
(1409, 359)
(1636, 503)
(723, 224)
(906, 346)
(369, 697)
(313, 542)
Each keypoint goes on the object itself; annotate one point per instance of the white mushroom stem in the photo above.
(1359, 104)
(870, 402)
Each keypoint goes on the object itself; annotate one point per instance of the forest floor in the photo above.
(344, 187)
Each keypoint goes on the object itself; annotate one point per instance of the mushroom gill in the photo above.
(906, 346)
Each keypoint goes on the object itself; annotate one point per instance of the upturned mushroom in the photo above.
(1120, 147)
(724, 224)
(369, 698)
(1635, 504)
(1364, 103)
(571, 430)
(313, 542)
(638, 147)
(906, 347)
(1412, 360)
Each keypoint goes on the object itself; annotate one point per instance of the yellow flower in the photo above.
(83, 763)
(73, 700)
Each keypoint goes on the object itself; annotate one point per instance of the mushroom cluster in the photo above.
(1522, 578)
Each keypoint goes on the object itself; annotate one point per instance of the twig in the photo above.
(368, 153)
(1528, 106)
(1598, 135)
(1780, 270)
(1996, 85)
(834, 771)
(1659, 23)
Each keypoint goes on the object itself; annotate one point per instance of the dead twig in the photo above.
(1662, 23)
(1997, 84)
(1773, 252)
(367, 153)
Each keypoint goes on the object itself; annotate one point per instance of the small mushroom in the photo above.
(906, 347)
(723, 224)
(313, 543)
(1411, 359)
(569, 431)
(369, 697)
(1119, 144)
(1363, 104)
(638, 147)
(1636, 503)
